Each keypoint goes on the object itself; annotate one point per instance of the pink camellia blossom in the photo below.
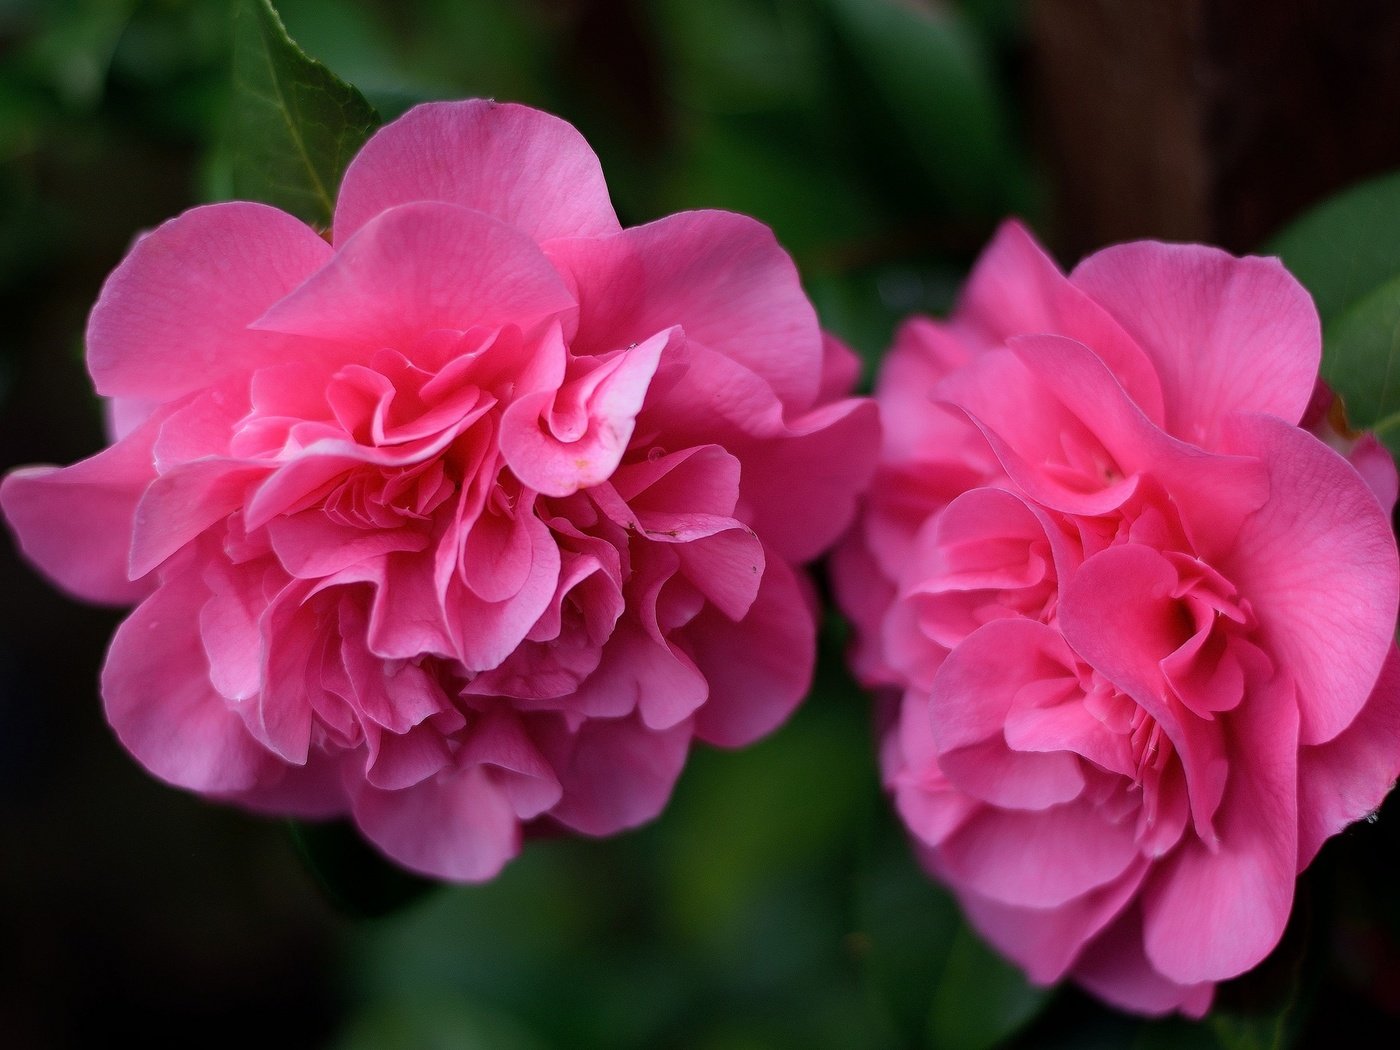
(473, 517)
(1131, 624)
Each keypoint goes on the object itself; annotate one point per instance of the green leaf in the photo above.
(1346, 247)
(357, 879)
(295, 125)
(980, 999)
(943, 986)
(1361, 361)
(1346, 252)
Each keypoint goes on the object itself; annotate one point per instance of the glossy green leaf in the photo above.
(1346, 252)
(1345, 248)
(1361, 361)
(358, 43)
(294, 125)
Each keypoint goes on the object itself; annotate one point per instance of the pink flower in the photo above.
(1133, 626)
(471, 518)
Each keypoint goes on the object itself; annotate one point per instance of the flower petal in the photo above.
(721, 277)
(174, 316)
(457, 825)
(528, 169)
(1019, 857)
(1047, 941)
(1318, 563)
(616, 773)
(420, 267)
(75, 522)
(1117, 613)
(555, 466)
(1115, 968)
(1347, 777)
(1214, 909)
(162, 705)
(1016, 289)
(758, 668)
(1225, 334)
(823, 461)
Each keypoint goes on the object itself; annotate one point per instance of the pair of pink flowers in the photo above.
(469, 521)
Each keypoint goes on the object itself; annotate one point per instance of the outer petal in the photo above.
(162, 705)
(75, 522)
(1226, 334)
(864, 595)
(801, 488)
(932, 808)
(1046, 941)
(182, 503)
(1376, 466)
(1346, 778)
(721, 277)
(420, 267)
(616, 773)
(1038, 859)
(528, 169)
(174, 316)
(841, 368)
(759, 668)
(924, 353)
(1318, 563)
(1016, 289)
(1115, 968)
(458, 825)
(309, 792)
